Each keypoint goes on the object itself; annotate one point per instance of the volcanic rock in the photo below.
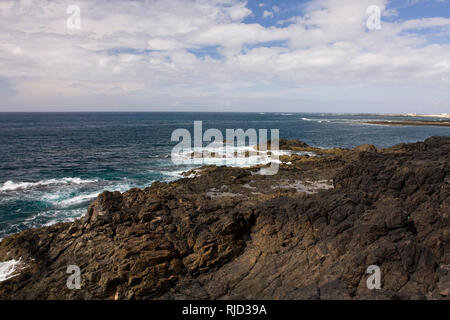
(229, 233)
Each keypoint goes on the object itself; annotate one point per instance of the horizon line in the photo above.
(256, 112)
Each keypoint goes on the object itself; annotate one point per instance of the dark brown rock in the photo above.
(232, 234)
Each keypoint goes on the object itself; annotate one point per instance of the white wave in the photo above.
(10, 185)
(50, 217)
(8, 268)
(78, 199)
(55, 221)
(120, 187)
(175, 174)
(302, 153)
(235, 156)
(317, 120)
(90, 196)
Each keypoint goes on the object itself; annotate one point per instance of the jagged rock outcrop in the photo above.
(231, 234)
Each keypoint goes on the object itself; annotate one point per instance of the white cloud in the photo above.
(142, 53)
(239, 12)
(267, 14)
(418, 24)
(163, 44)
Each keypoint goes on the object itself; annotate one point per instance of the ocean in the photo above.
(53, 164)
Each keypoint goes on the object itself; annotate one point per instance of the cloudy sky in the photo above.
(225, 55)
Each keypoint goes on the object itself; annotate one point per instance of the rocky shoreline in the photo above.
(308, 232)
(440, 123)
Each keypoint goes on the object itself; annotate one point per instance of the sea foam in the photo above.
(8, 268)
(10, 185)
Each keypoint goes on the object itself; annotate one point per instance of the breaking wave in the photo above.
(11, 186)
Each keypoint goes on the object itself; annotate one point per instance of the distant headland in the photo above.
(438, 121)
(437, 115)
(411, 123)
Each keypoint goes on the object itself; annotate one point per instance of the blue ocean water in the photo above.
(53, 164)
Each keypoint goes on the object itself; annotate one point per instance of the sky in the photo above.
(225, 55)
